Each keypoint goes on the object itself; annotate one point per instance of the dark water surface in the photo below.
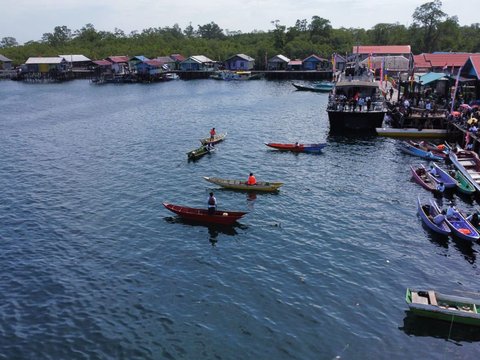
(93, 266)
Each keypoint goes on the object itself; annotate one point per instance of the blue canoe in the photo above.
(415, 151)
(427, 212)
(442, 176)
(460, 226)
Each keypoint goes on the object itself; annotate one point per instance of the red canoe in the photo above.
(202, 215)
(314, 148)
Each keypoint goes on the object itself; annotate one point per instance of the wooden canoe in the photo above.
(411, 149)
(433, 304)
(421, 177)
(427, 212)
(199, 152)
(242, 185)
(463, 184)
(308, 148)
(202, 215)
(443, 176)
(216, 139)
(468, 163)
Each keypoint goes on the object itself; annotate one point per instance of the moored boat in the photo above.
(296, 147)
(216, 139)
(439, 175)
(428, 213)
(345, 110)
(408, 148)
(468, 163)
(324, 86)
(421, 177)
(459, 225)
(411, 132)
(202, 215)
(433, 304)
(463, 184)
(242, 185)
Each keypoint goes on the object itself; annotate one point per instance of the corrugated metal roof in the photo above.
(154, 62)
(200, 59)
(475, 60)
(420, 61)
(242, 56)
(139, 57)
(431, 77)
(315, 57)
(44, 60)
(396, 62)
(279, 57)
(4, 59)
(75, 58)
(177, 57)
(295, 62)
(119, 59)
(447, 59)
(384, 49)
(164, 59)
(102, 62)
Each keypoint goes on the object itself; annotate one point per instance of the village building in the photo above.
(77, 62)
(119, 64)
(240, 62)
(295, 64)
(178, 59)
(5, 63)
(278, 62)
(314, 62)
(198, 63)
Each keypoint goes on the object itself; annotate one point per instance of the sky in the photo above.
(27, 20)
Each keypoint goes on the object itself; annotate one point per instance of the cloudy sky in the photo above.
(28, 20)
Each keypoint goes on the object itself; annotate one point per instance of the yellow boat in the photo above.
(242, 185)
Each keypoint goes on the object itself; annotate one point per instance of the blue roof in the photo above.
(430, 77)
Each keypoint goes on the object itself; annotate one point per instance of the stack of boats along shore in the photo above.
(459, 172)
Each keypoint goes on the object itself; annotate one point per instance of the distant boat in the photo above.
(242, 185)
(323, 86)
(308, 148)
(202, 215)
(216, 139)
(433, 304)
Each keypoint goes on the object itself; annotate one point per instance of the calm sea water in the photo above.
(93, 266)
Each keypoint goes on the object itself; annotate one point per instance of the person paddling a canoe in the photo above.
(251, 180)
(212, 134)
(211, 204)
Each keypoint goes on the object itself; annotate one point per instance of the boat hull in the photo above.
(468, 163)
(308, 148)
(412, 133)
(424, 210)
(460, 226)
(421, 177)
(463, 184)
(202, 215)
(347, 121)
(216, 139)
(449, 308)
(243, 186)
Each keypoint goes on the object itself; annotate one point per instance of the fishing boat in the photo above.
(216, 139)
(427, 213)
(296, 147)
(324, 86)
(463, 184)
(433, 304)
(468, 163)
(421, 177)
(344, 114)
(459, 225)
(202, 215)
(408, 148)
(229, 75)
(439, 175)
(199, 152)
(242, 185)
(411, 132)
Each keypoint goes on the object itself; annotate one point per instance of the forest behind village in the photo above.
(432, 30)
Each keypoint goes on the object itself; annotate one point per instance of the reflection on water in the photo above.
(466, 248)
(251, 198)
(414, 325)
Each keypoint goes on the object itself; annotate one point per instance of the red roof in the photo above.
(382, 49)
(102, 62)
(178, 57)
(475, 59)
(119, 59)
(448, 59)
(420, 61)
(295, 62)
(153, 62)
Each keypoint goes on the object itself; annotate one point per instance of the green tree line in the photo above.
(431, 30)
